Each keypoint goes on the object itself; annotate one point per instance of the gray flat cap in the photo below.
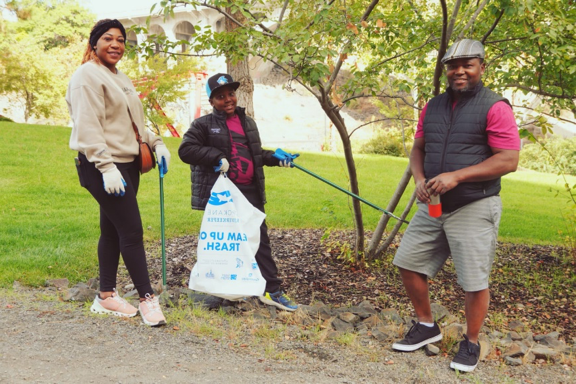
(464, 49)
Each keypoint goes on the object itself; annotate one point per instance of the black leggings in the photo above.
(120, 228)
(264, 258)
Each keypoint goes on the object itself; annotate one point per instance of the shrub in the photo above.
(4, 118)
(562, 151)
(389, 141)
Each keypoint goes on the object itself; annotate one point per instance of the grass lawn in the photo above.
(49, 224)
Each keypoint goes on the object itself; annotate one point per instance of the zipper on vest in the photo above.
(445, 147)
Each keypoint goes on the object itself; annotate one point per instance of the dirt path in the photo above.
(45, 341)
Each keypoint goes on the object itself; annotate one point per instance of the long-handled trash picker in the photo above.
(347, 192)
(161, 172)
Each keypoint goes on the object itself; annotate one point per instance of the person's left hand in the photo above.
(285, 158)
(442, 183)
(163, 158)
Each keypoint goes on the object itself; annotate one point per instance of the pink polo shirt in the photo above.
(501, 126)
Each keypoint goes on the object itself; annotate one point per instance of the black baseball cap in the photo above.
(220, 80)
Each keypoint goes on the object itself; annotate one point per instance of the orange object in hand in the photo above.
(435, 206)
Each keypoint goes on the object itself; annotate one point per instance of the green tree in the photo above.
(398, 45)
(39, 52)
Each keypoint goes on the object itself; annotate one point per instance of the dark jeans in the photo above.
(264, 255)
(120, 228)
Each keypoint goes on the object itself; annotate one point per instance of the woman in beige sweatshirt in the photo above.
(103, 102)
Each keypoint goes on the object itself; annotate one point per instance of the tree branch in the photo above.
(540, 92)
(453, 19)
(441, 50)
(281, 16)
(378, 120)
(428, 41)
(339, 63)
(265, 30)
(472, 19)
(492, 28)
(545, 113)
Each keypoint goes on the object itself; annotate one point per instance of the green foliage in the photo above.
(389, 141)
(162, 81)
(559, 156)
(39, 52)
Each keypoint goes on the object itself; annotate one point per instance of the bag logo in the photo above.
(239, 263)
(220, 198)
(215, 130)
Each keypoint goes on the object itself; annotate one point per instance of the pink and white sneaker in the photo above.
(114, 305)
(151, 313)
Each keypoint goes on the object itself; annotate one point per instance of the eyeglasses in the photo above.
(223, 95)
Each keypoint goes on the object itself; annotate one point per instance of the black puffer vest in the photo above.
(207, 141)
(456, 138)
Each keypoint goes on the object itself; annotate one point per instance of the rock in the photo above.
(529, 358)
(93, 283)
(348, 317)
(342, 326)
(272, 312)
(318, 310)
(545, 353)
(516, 350)
(454, 331)
(367, 306)
(131, 294)
(431, 350)
(210, 302)
(58, 283)
(514, 336)
(157, 287)
(372, 322)
(516, 325)
(485, 347)
(81, 294)
(391, 315)
(439, 312)
(380, 334)
(128, 287)
(512, 361)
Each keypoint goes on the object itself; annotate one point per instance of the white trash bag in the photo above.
(227, 245)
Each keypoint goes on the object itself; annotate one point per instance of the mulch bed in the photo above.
(534, 284)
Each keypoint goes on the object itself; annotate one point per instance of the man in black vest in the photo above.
(466, 139)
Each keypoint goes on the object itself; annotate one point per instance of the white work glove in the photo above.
(223, 166)
(113, 182)
(285, 163)
(163, 158)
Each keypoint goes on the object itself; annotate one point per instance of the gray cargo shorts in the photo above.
(468, 234)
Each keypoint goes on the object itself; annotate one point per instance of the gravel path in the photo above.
(43, 340)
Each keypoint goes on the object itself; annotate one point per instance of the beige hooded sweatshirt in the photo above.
(102, 128)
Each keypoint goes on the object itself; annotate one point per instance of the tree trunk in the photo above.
(338, 122)
(240, 71)
(381, 227)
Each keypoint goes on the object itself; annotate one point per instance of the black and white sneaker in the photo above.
(418, 336)
(467, 357)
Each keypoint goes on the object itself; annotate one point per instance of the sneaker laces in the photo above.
(120, 300)
(466, 348)
(413, 330)
(152, 303)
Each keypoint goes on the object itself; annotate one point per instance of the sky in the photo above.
(117, 8)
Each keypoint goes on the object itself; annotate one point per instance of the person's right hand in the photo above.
(422, 191)
(113, 182)
(223, 166)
